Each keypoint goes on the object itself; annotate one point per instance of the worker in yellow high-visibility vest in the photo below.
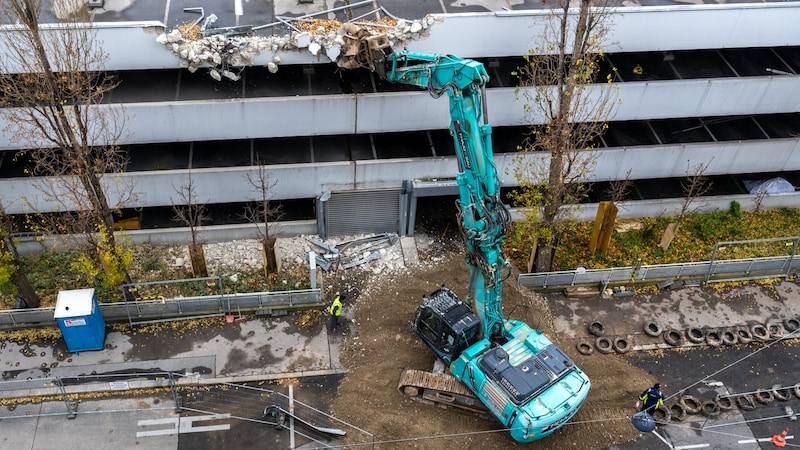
(335, 311)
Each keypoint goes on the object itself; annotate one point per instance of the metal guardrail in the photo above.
(709, 271)
(157, 310)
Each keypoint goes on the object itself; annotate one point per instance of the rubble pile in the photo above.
(293, 251)
(223, 52)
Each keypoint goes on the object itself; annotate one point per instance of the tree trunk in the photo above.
(20, 279)
(669, 235)
(270, 260)
(532, 257)
(25, 289)
(198, 258)
(544, 258)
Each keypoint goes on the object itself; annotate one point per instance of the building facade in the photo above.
(698, 84)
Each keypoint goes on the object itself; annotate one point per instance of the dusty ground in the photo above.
(380, 347)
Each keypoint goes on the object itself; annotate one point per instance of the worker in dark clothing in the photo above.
(335, 311)
(652, 399)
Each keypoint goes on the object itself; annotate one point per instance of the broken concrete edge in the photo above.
(219, 52)
(408, 244)
(180, 381)
(342, 255)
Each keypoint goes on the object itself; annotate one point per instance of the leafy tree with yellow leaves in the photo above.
(53, 84)
(569, 102)
(13, 279)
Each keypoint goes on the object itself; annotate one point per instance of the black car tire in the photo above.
(652, 329)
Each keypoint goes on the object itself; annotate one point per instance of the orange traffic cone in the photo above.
(780, 439)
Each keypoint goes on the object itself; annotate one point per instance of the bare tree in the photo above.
(758, 199)
(192, 214)
(263, 212)
(619, 190)
(11, 272)
(695, 185)
(563, 89)
(53, 83)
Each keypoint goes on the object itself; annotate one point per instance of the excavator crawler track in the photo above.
(442, 390)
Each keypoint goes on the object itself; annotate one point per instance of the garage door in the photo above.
(362, 212)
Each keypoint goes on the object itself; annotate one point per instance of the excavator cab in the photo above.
(446, 324)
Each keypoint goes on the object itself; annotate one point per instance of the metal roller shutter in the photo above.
(359, 212)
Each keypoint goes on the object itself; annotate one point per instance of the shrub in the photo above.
(736, 210)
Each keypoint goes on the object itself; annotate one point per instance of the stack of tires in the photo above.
(686, 405)
(602, 343)
(716, 337)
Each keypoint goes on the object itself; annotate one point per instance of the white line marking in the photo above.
(664, 440)
(182, 425)
(162, 432)
(686, 447)
(753, 441)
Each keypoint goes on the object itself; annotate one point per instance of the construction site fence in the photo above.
(159, 310)
(702, 272)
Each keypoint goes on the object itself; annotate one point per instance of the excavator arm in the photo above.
(527, 383)
(483, 217)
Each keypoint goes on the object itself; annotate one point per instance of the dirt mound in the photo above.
(381, 346)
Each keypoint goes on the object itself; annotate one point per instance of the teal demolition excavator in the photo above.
(529, 384)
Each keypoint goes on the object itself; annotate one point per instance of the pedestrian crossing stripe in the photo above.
(182, 425)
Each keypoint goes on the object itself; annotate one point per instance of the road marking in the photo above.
(663, 440)
(182, 425)
(769, 439)
(686, 447)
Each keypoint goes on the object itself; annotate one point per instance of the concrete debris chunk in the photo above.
(224, 48)
(333, 52)
(230, 75)
(303, 40)
(353, 253)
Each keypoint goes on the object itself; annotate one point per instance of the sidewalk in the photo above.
(675, 309)
(204, 351)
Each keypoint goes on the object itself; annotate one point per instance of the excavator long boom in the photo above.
(527, 383)
(482, 213)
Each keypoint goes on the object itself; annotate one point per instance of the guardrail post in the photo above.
(175, 396)
(791, 257)
(711, 263)
(72, 406)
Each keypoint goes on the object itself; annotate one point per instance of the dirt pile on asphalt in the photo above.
(380, 346)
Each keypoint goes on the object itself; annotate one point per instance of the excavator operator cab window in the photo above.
(429, 325)
(458, 341)
(469, 336)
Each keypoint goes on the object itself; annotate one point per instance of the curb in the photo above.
(51, 389)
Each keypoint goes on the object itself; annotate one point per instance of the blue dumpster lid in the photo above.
(77, 302)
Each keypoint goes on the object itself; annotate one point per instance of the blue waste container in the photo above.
(78, 316)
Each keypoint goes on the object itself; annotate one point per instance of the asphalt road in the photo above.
(222, 417)
(248, 428)
(704, 372)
